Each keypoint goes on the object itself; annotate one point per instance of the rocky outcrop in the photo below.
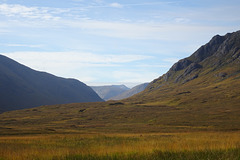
(208, 50)
(182, 64)
(220, 47)
(192, 67)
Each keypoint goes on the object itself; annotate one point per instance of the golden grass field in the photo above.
(194, 145)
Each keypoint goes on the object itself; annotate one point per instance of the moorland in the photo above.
(191, 112)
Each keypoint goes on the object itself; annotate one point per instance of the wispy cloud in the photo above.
(155, 31)
(16, 10)
(86, 67)
(116, 5)
(74, 58)
(180, 28)
(22, 45)
(150, 3)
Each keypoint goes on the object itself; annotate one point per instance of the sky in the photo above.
(104, 42)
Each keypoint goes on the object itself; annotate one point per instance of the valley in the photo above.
(191, 112)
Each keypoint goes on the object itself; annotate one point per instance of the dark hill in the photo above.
(22, 87)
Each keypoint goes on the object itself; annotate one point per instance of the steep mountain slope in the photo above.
(22, 87)
(131, 92)
(107, 92)
(209, 77)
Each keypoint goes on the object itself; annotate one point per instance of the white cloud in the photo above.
(179, 30)
(99, 1)
(147, 30)
(4, 31)
(86, 67)
(22, 45)
(117, 29)
(149, 3)
(56, 60)
(116, 5)
(16, 10)
(182, 20)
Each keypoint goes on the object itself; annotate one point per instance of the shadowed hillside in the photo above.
(22, 87)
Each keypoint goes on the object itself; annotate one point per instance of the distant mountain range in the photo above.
(130, 92)
(118, 92)
(109, 91)
(22, 87)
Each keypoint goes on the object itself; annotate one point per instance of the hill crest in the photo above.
(22, 87)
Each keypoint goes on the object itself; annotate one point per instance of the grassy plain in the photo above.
(195, 145)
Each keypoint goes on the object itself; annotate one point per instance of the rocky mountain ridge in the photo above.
(219, 52)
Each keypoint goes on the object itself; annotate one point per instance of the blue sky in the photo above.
(103, 42)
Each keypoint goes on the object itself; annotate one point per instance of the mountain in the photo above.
(198, 93)
(131, 92)
(210, 77)
(107, 92)
(22, 87)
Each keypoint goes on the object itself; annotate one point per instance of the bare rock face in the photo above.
(222, 48)
(182, 64)
(191, 78)
(192, 67)
(209, 49)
